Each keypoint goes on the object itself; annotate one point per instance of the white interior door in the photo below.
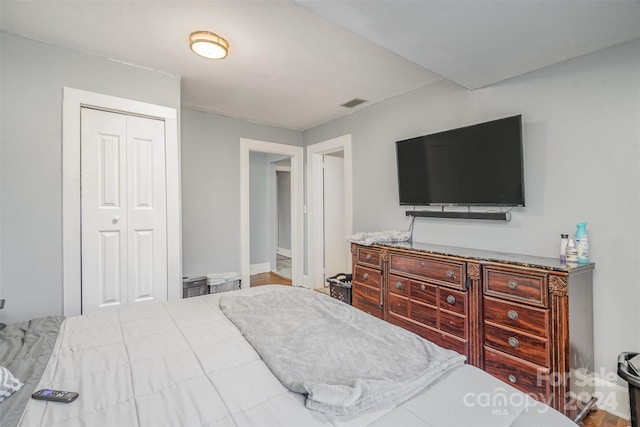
(123, 201)
(104, 211)
(147, 210)
(335, 247)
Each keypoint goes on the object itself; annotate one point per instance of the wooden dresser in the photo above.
(526, 320)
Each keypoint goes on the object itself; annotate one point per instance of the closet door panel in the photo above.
(146, 191)
(104, 210)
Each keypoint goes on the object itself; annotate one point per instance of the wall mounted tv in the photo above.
(477, 165)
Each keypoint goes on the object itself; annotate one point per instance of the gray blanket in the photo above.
(25, 349)
(343, 359)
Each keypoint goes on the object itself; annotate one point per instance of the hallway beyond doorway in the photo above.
(283, 266)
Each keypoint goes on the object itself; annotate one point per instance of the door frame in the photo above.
(297, 210)
(315, 184)
(72, 101)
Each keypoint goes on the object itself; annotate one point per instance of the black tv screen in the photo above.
(477, 165)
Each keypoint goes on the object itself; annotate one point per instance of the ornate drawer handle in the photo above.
(368, 257)
(451, 299)
(451, 274)
(512, 315)
(365, 276)
(512, 378)
(513, 342)
(422, 287)
(398, 285)
(512, 284)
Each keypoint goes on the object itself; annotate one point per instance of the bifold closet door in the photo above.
(123, 198)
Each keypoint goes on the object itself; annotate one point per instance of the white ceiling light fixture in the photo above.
(208, 45)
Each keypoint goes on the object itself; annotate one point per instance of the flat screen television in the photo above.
(477, 165)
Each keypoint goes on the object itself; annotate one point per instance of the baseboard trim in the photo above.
(284, 252)
(306, 282)
(613, 398)
(264, 267)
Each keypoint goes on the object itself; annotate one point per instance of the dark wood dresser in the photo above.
(525, 320)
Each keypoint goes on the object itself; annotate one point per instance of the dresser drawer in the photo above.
(368, 256)
(517, 344)
(523, 287)
(399, 305)
(449, 273)
(452, 300)
(424, 292)
(376, 312)
(512, 315)
(526, 377)
(453, 324)
(441, 338)
(399, 285)
(423, 313)
(366, 299)
(367, 276)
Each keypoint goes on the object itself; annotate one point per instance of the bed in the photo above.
(185, 363)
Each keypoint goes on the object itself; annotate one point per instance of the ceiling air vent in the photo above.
(353, 103)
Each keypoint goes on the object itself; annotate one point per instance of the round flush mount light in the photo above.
(208, 45)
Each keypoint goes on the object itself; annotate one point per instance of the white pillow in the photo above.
(8, 384)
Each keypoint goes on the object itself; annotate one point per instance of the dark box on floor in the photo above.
(194, 286)
(340, 287)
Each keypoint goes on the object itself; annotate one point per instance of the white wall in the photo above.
(33, 75)
(581, 136)
(211, 187)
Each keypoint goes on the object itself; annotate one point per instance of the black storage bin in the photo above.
(631, 376)
(194, 286)
(340, 287)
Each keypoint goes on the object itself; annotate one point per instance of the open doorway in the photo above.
(330, 208)
(270, 218)
(269, 154)
(282, 218)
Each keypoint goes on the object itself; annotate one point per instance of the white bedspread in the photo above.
(183, 363)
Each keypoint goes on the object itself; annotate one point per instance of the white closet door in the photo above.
(123, 192)
(336, 248)
(103, 195)
(147, 208)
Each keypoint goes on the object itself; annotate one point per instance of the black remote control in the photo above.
(55, 395)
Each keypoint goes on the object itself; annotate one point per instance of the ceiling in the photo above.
(293, 64)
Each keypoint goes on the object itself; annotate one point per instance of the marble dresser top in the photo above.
(490, 256)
